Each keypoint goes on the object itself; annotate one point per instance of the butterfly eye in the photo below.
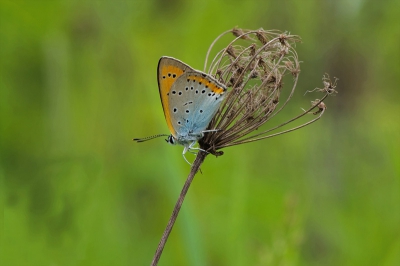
(170, 140)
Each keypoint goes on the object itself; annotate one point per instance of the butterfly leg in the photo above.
(192, 152)
(191, 148)
(200, 149)
(211, 130)
(187, 148)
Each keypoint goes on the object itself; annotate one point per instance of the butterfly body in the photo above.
(190, 99)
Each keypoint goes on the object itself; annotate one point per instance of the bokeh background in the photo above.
(78, 82)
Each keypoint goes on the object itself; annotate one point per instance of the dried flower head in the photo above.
(253, 66)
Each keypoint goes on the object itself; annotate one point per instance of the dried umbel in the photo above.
(253, 66)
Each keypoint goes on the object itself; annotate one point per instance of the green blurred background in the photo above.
(78, 82)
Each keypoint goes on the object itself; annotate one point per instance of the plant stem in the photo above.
(195, 167)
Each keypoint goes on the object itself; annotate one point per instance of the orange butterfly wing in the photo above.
(169, 69)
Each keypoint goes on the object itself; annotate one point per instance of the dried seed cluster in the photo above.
(252, 66)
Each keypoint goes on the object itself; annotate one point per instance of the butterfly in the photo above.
(190, 99)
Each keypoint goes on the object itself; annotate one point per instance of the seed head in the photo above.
(253, 66)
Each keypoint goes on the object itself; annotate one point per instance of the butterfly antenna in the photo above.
(149, 138)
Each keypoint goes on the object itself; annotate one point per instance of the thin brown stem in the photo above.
(273, 135)
(195, 168)
(211, 46)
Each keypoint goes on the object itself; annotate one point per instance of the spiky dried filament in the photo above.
(253, 66)
(329, 86)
